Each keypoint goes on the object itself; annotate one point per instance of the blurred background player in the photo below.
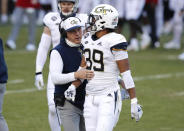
(46, 6)
(176, 24)
(51, 36)
(3, 81)
(4, 11)
(29, 8)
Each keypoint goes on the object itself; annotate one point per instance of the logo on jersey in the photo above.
(100, 44)
(86, 42)
(102, 10)
(53, 18)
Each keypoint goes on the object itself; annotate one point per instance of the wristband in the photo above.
(134, 100)
(38, 73)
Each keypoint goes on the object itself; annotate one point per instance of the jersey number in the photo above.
(94, 58)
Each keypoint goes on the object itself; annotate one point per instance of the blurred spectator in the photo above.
(3, 81)
(176, 24)
(27, 7)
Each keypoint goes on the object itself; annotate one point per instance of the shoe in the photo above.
(172, 45)
(157, 44)
(30, 47)
(181, 56)
(145, 41)
(10, 44)
(134, 45)
(4, 19)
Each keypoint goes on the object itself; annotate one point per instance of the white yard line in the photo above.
(21, 91)
(158, 76)
(21, 51)
(140, 78)
(179, 94)
(16, 81)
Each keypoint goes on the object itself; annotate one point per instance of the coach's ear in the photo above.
(62, 30)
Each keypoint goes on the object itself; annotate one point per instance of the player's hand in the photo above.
(84, 74)
(70, 93)
(39, 81)
(136, 110)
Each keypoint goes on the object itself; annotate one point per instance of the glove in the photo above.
(136, 110)
(70, 93)
(39, 81)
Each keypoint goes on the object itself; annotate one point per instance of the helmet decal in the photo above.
(102, 10)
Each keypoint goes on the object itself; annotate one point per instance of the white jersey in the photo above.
(52, 21)
(101, 59)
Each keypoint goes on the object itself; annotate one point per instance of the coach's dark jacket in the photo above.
(71, 57)
(3, 67)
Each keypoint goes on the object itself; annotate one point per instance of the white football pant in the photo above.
(99, 112)
(52, 116)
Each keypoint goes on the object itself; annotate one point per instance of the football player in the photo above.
(51, 36)
(106, 55)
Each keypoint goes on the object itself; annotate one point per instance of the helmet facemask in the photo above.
(93, 23)
(73, 10)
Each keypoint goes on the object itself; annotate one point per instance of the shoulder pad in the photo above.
(114, 38)
(117, 42)
(51, 18)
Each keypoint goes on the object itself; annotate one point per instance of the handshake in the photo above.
(80, 74)
(83, 73)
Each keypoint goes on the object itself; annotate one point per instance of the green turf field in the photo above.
(158, 75)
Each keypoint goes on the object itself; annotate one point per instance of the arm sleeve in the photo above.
(120, 55)
(127, 79)
(43, 49)
(56, 68)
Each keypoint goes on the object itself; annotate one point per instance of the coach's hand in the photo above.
(136, 110)
(70, 93)
(84, 74)
(39, 81)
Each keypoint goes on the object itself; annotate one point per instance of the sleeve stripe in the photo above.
(120, 47)
(113, 49)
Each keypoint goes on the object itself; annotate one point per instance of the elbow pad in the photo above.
(127, 79)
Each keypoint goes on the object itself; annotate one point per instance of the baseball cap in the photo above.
(71, 23)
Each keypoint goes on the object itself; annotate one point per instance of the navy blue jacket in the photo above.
(71, 57)
(3, 67)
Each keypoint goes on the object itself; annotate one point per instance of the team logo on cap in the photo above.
(74, 22)
(102, 10)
